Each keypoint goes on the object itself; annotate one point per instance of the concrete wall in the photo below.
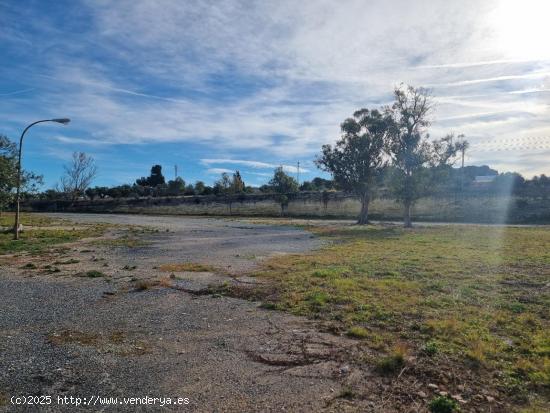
(490, 209)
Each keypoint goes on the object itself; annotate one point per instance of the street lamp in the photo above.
(63, 121)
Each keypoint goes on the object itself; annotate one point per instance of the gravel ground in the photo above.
(62, 335)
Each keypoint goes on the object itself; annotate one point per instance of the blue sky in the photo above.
(250, 85)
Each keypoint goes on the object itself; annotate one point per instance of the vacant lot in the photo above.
(168, 306)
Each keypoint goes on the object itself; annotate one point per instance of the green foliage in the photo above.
(356, 161)
(443, 404)
(430, 348)
(390, 364)
(8, 174)
(154, 179)
(414, 157)
(318, 184)
(282, 183)
(94, 274)
(358, 332)
(176, 187)
(200, 188)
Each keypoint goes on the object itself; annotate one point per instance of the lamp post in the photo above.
(63, 121)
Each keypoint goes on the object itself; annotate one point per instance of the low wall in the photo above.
(481, 209)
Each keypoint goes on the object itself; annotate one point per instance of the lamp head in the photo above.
(64, 121)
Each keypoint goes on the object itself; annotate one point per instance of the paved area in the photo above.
(64, 335)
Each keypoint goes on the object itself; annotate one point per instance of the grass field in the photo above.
(41, 233)
(470, 299)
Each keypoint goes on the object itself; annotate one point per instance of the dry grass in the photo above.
(44, 234)
(78, 337)
(115, 342)
(476, 297)
(186, 267)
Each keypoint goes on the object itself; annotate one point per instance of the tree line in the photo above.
(385, 151)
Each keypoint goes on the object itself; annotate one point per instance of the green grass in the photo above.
(186, 267)
(36, 241)
(7, 219)
(471, 295)
(92, 274)
(443, 404)
(124, 241)
(43, 235)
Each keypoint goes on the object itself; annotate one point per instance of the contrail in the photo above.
(17, 92)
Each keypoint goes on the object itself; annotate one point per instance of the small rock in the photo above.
(443, 393)
(490, 399)
(344, 370)
(422, 394)
(433, 386)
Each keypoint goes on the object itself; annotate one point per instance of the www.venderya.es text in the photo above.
(95, 400)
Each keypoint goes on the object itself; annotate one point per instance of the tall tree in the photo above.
(8, 174)
(78, 175)
(154, 179)
(223, 187)
(176, 187)
(284, 186)
(414, 156)
(357, 160)
(237, 184)
(8, 170)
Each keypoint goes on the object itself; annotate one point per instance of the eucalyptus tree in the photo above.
(357, 160)
(416, 159)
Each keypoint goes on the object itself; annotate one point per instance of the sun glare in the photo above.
(522, 28)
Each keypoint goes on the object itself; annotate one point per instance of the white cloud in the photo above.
(218, 171)
(254, 164)
(275, 79)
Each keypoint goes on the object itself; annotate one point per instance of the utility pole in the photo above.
(175, 172)
(298, 173)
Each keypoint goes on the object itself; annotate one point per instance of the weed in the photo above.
(443, 404)
(346, 393)
(268, 306)
(358, 332)
(92, 274)
(67, 262)
(186, 266)
(430, 348)
(143, 285)
(390, 364)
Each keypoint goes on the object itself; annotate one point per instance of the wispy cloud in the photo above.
(219, 171)
(250, 84)
(254, 164)
(17, 92)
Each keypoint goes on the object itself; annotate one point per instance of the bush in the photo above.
(443, 404)
(393, 362)
(358, 332)
(390, 364)
(430, 348)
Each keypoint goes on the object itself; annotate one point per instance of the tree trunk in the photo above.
(407, 215)
(364, 215)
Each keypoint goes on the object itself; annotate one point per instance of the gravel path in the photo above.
(84, 337)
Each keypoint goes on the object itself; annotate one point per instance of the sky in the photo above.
(215, 86)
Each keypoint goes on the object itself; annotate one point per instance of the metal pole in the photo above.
(18, 192)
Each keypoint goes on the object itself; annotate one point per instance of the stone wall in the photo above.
(489, 209)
